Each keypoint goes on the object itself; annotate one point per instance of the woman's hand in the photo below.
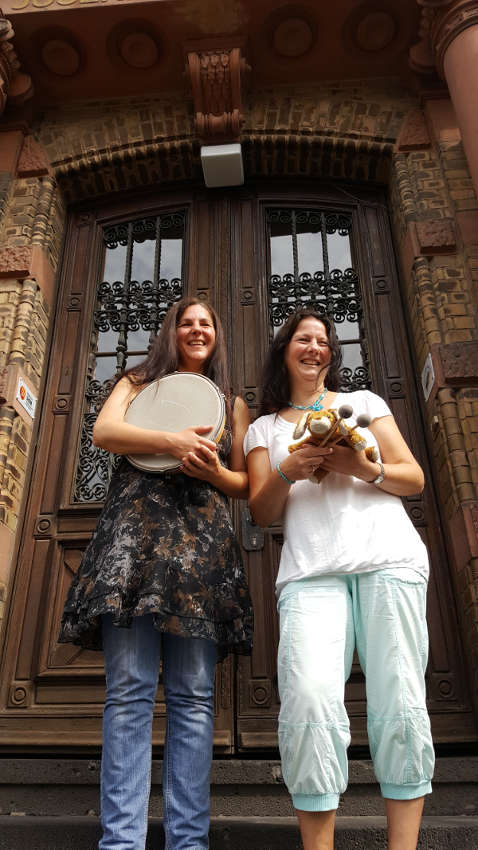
(192, 442)
(203, 463)
(302, 463)
(348, 461)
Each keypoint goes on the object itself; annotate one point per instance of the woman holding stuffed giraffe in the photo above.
(353, 574)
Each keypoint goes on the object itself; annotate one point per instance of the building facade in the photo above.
(358, 144)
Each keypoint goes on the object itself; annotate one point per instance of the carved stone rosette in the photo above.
(14, 85)
(216, 79)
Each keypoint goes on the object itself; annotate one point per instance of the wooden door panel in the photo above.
(258, 698)
(248, 308)
(65, 657)
(28, 599)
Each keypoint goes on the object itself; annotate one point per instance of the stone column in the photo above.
(14, 85)
(454, 36)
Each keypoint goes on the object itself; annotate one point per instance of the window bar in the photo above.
(155, 293)
(329, 304)
(295, 252)
(122, 345)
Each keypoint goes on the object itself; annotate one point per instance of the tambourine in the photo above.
(177, 401)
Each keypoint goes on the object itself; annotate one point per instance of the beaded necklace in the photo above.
(315, 406)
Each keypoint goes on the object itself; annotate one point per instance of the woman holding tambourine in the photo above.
(162, 579)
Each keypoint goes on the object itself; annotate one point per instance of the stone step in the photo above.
(252, 833)
(239, 787)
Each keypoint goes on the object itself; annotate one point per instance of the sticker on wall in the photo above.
(428, 377)
(25, 397)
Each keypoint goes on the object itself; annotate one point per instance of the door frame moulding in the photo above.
(280, 154)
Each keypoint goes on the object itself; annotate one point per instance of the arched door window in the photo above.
(310, 260)
(142, 277)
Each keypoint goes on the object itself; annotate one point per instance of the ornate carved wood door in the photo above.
(334, 250)
(122, 270)
(254, 253)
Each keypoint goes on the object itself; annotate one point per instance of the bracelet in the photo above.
(381, 474)
(283, 476)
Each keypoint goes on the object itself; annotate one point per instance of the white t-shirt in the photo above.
(343, 524)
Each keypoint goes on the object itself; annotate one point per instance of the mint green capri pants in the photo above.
(322, 619)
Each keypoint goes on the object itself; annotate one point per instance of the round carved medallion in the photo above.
(135, 43)
(375, 31)
(292, 37)
(43, 526)
(139, 50)
(18, 695)
(445, 688)
(61, 57)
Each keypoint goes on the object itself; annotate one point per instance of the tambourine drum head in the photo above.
(175, 402)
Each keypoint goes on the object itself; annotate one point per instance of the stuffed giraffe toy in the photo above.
(328, 427)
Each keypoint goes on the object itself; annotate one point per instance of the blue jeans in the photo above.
(132, 658)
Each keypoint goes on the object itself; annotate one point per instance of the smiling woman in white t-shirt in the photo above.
(352, 574)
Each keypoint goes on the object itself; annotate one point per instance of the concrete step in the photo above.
(252, 833)
(239, 787)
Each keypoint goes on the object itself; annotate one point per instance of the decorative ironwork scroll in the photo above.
(299, 238)
(143, 278)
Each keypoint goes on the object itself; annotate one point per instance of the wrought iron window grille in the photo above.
(145, 256)
(332, 288)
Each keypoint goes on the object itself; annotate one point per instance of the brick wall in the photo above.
(435, 217)
(32, 219)
(15, 436)
(342, 130)
(24, 317)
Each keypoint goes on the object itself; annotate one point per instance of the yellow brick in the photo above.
(459, 336)
(458, 459)
(457, 173)
(463, 322)
(461, 194)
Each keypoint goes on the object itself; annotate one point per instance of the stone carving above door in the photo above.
(217, 76)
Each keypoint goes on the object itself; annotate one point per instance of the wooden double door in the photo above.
(255, 253)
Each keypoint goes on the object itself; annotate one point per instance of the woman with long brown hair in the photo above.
(352, 575)
(162, 580)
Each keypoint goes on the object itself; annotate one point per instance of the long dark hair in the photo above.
(275, 379)
(162, 357)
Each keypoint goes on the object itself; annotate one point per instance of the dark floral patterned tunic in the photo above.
(164, 545)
